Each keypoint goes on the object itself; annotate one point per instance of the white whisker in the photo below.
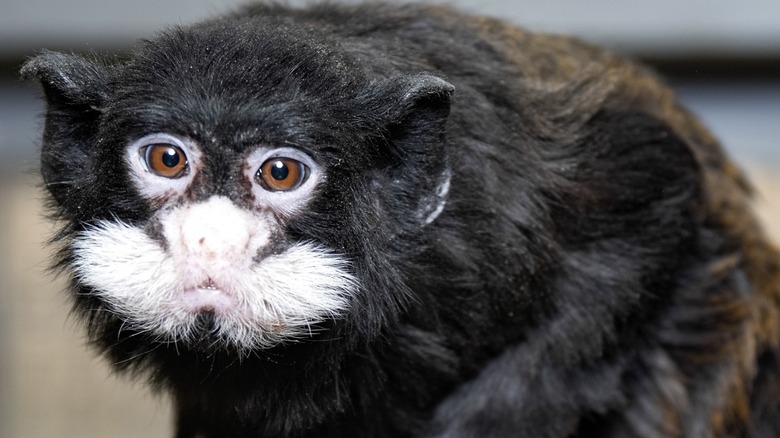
(279, 299)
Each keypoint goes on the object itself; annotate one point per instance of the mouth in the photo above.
(208, 297)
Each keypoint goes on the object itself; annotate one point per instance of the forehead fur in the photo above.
(258, 54)
(235, 84)
(227, 75)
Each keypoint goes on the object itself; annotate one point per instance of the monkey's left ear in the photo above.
(76, 90)
(419, 105)
(421, 92)
(413, 112)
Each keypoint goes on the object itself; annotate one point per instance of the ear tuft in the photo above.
(422, 90)
(427, 86)
(68, 79)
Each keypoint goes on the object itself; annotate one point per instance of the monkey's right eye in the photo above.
(165, 160)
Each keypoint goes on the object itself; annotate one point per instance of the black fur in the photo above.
(596, 270)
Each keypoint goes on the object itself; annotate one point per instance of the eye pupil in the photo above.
(170, 158)
(280, 171)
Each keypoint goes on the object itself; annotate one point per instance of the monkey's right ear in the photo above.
(68, 79)
(76, 89)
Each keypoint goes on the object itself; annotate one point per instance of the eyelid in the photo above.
(260, 156)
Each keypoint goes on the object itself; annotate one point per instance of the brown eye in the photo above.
(281, 174)
(166, 160)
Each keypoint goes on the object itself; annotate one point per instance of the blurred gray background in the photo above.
(722, 56)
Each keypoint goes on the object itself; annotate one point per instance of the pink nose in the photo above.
(211, 236)
(216, 228)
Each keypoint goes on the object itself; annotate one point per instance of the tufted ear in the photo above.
(420, 105)
(68, 79)
(75, 90)
(411, 111)
(421, 91)
(414, 119)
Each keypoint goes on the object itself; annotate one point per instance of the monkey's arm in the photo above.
(521, 394)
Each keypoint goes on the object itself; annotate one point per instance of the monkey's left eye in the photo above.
(165, 160)
(281, 174)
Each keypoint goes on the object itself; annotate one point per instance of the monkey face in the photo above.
(211, 256)
(245, 200)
